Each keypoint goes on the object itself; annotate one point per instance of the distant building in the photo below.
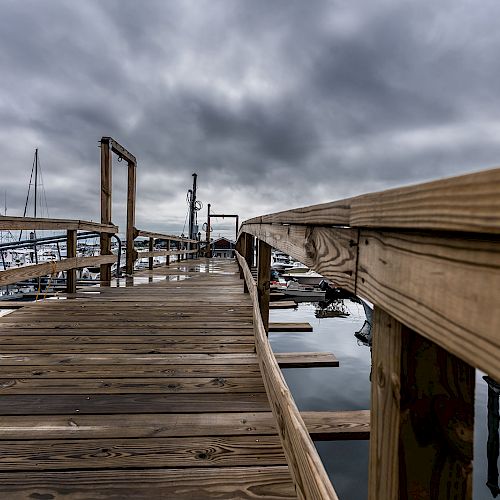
(222, 248)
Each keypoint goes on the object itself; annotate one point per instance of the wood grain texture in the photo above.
(103, 404)
(8, 223)
(445, 288)
(468, 203)
(383, 479)
(332, 252)
(34, 270)
(323, 425)
(269, 483)
(211, 451)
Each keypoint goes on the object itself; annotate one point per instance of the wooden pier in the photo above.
(128, 388)
(168, 387)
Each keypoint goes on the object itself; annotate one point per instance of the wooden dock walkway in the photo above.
(152, 390)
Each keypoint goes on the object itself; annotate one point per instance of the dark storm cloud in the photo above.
(274, 104)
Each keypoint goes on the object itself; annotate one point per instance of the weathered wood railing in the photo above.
(428, 258)
(70, 264)
(181, 243)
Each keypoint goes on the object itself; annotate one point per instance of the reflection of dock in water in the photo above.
(493, 437)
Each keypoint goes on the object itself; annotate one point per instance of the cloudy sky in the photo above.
(274, 103)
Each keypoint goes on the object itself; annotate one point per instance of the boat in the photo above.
(294, 289)
(306, 278)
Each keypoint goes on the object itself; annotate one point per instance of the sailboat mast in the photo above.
(36, 177)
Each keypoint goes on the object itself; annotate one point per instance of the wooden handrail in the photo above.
(17, 274)
(428, 258)
(467, 203)
(138, 233)
(8, 223)
(309, 476)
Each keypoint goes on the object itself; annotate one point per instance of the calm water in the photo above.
(348, 388)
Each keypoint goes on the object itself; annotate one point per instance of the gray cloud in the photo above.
(274, 104)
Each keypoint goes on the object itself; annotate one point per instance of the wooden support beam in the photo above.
(422, 417)
(263, 281)
(337, 425)
(151, 249)
(290, 327)
(283, 304)
(306, 359)
(106, 191)
(131, 191)
(247, 254)
(71, 252)
(167, 257)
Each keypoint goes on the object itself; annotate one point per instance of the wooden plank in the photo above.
(143, 425)
(224, 335)
(144, 348)
(201, 451)
(34, 270)
(308, 473)
(131, 386)
(88, 323)
(468, 203)
(145, 484)
(283, 304)
(135, 371)
(125, 359)
(335, 213)
(306, 359)
(290, 327)
(105, 404)
(337, 425)
(322, 425)
(22, 340)
(8, 223)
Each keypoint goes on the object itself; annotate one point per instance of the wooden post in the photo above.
(208, 250)
(422, 417)
(131, 190)
(71, 252)
(167, 259)
(247, 250)
(151, 248)
(106, 190)
(263, 281)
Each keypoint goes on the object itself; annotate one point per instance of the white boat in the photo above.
(294, 289)
(307, 278)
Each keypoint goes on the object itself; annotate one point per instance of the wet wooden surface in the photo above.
(148, 391)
